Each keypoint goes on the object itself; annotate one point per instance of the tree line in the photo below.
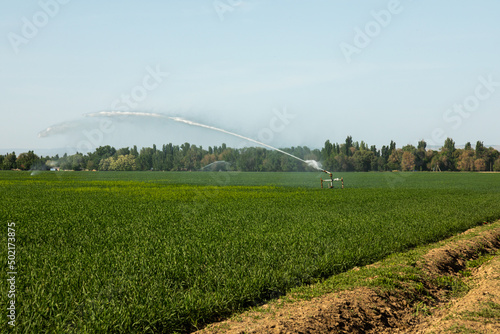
(347, 156)
(354, 156)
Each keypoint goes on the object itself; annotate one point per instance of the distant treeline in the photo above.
(348, 156)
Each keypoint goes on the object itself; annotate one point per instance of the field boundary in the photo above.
(397, 294)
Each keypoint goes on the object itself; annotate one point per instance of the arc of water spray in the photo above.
(311, 163)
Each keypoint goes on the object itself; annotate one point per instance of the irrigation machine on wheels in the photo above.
(331, 180)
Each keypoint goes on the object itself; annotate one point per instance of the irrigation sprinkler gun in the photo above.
(331, 180)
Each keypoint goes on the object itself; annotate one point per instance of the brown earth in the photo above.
(371, 310)
(477, 312)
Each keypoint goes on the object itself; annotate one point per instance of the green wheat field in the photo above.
(161, 252)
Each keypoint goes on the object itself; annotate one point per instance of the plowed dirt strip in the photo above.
(476, 312)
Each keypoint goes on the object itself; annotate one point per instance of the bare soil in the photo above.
(476, 312)
(369, 310)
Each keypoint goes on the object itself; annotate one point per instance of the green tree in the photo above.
(449, 145)
(247, 161)
(392, 147)
(480, 150)
(122, 151)
(420, 154)
(145, 159)
(384, 157)
(105, 164)
(91, 165)
(74, 162)
(496, 166)
(490, 157)
(362, 160)
(9, 161)
(134, 151)
(327, 151)
(348, 145)
(430, 159)
(342, 163)
(25, 160)
(158, 160)
(102, 152)
(447, 157)
(123, 163)
(394, 161)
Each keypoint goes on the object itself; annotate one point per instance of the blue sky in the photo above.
(287, 73)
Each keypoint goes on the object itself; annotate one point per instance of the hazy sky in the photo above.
(287, 73)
